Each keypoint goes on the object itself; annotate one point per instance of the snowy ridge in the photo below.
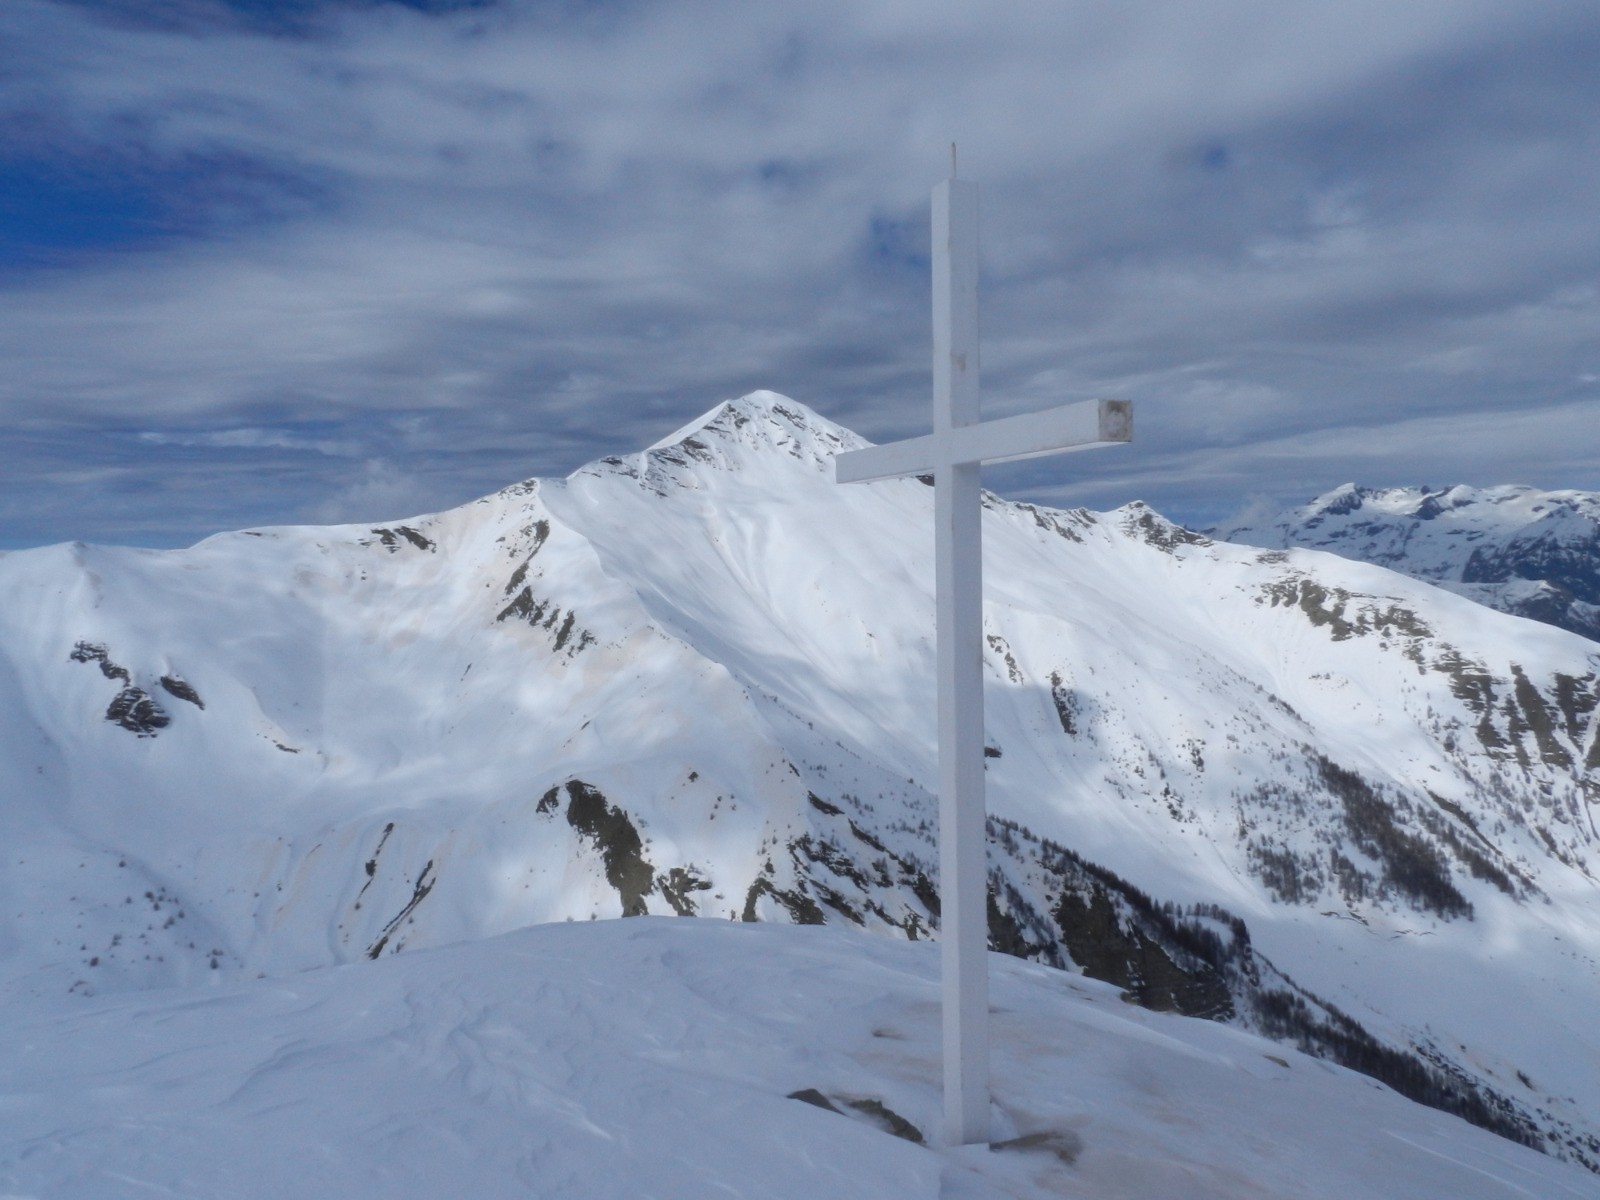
(1308, 796)
(1518, 549)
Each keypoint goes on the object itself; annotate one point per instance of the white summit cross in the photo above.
(953, 454)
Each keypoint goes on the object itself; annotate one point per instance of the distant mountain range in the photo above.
(1302, 794)
(1523, 551)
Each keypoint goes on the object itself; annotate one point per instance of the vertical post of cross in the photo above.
(954, 453)
(958, 569)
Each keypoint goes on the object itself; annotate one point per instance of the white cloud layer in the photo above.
(1312, 243)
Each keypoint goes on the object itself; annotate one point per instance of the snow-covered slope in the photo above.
(629, 1059)
(1517, 549)
(1310, 796)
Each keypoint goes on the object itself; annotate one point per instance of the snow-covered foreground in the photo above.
(655, 1057)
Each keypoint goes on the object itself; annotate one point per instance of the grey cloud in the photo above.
(533, 235)
(251, 439)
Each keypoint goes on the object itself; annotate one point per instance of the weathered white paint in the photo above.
(954, 454)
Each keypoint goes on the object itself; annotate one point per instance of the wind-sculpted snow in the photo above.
(693, 1058)
(1270, 787)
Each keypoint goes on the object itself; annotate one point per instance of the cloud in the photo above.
(252, 439)
(381, 493)
(509, 238)
(1547, 446)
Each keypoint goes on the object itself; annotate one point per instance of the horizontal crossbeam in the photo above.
(1071, 427)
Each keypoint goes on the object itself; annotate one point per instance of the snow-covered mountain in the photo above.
(1517, 549)
(1309, 796)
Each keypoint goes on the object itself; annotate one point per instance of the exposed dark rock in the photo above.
(85, 652)
(1003, 648)
(371, 865)
(543, 614)
(812, 1096)
(540, 531)
(1065, 705)
(182, 690)
(1155, 530)
(829, 854)
(1539, 719)
(821, 805)
(887, 1119)
(1062, 524)
(697, 449)
(1324, 606)
(517, 577)
(391, 538)
(875, 1110)
(419, 893)
(861, 835)
(618, 841)
(566, 630)
(525, 606)
(1063, 1143)
(802, 909)
(677, 885)
(134, 710)
(837, 901)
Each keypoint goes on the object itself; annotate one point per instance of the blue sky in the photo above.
(281, 261)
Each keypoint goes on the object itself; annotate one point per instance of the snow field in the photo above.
(654, 1057)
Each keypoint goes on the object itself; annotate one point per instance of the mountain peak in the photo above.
(725, 438)
(765, 418)
(1346, 498)
(761, 406)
